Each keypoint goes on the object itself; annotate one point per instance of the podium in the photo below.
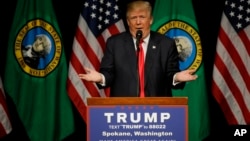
(137, 119)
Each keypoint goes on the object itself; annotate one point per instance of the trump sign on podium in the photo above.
(136, 119)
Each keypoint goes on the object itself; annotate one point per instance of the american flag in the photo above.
(5, 124)
(98, 20)
(231, 73)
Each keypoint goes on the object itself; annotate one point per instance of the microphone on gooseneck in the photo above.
(138, 38)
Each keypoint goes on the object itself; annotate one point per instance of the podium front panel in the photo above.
(137, 122)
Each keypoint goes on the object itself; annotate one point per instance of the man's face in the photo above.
(38, 45)
(139, 19)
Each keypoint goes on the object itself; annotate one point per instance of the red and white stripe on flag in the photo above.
(5, 124)
(231, 73)
(97, 21)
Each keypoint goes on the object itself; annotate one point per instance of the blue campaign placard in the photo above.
(137, 123)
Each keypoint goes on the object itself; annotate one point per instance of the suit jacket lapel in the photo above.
(151, 52)
(131, 58)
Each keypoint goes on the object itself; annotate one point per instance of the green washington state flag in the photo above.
(176, 19)
(36, 72)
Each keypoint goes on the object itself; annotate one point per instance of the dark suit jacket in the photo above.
(119, 66)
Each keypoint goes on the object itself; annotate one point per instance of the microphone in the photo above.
(138, 38)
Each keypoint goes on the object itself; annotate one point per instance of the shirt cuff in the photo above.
(175, 82)
(103, 81)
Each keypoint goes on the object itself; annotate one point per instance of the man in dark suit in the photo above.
(119, 69)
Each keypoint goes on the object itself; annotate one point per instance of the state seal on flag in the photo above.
(187, 41)
(38, 48)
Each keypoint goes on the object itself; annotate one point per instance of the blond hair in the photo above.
(138, 5)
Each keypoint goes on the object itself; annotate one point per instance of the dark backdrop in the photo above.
(208, 14)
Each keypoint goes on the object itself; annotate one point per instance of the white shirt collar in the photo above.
(145, 40)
